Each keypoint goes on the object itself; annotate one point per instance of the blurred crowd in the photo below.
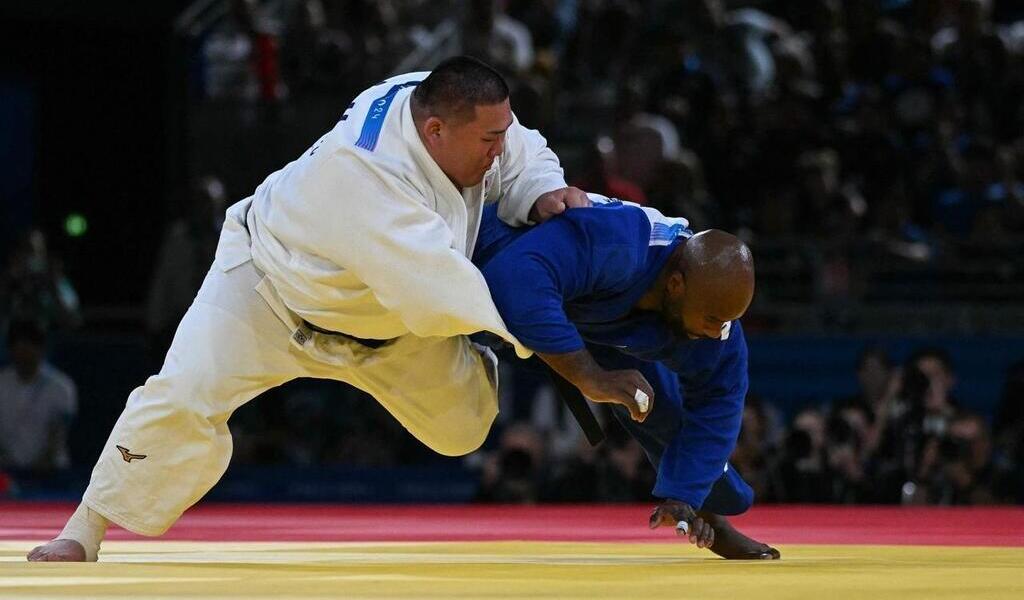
(885, 133)
(903, 438)
(842, 139)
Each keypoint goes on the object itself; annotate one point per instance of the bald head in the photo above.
(711, 282)
(720, 269)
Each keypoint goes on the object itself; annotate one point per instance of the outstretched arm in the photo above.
(714, 380)
(530, 280)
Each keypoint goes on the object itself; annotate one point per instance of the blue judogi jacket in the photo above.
(572, 282)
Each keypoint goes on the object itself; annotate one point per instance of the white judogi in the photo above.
(362, 234)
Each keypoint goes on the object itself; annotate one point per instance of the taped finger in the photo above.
(642, 400)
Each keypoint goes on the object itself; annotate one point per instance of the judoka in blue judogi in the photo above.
(631, 290)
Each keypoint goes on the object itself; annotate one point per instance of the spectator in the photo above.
(847, 431)
(805, 474)
(736, 45)
(679, 189)
(967, 467)
(603, 41)
(893, 230)
(939, 405)
(965, 209)
(856, 425)
(579, 478)
(830, 207)
(488, 32)
(37, 404)
(548, 23)
(874, 374)
(514, 473)
(241, 56)
(601, 175)
(917, 431)
(34, 286)
(627, 475)
(641, 150)
(756, 453)
(314, 55)
(976, 54)
(614, 471)
(917, 90)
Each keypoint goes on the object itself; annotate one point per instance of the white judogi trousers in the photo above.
(238, 340)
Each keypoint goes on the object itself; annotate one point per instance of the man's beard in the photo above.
(673, 318)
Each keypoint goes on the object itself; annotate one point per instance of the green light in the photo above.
(75, 225)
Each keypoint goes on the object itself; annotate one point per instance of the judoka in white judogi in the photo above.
(362, 234)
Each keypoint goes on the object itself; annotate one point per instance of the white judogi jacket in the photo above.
(364, 234)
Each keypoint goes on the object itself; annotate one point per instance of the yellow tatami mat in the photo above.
(174, 569)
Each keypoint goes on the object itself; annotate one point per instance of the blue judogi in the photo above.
(572, 282)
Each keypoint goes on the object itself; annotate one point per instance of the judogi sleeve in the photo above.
(528, 169)
(714, 380)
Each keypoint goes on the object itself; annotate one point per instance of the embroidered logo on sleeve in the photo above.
(127, 455)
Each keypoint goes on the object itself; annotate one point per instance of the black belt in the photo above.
(369, 343)
(578, 406)
(364, 341)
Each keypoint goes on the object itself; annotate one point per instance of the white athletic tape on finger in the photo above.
(683, 527)
(642, 400)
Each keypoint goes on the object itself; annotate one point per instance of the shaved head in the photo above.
(709, 281)
(719, 268)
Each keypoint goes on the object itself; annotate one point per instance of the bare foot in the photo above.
(58, 551)
(731, 544)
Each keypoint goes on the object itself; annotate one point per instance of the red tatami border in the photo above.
(968, 526)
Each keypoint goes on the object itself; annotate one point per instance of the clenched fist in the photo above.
(620, 387)
(556, 202)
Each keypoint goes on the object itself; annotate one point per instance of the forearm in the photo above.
(693, 462)
(696, 457)
(627, 387)
(578, 368)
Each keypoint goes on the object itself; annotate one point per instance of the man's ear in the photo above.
(432, 127)
(675, 285)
